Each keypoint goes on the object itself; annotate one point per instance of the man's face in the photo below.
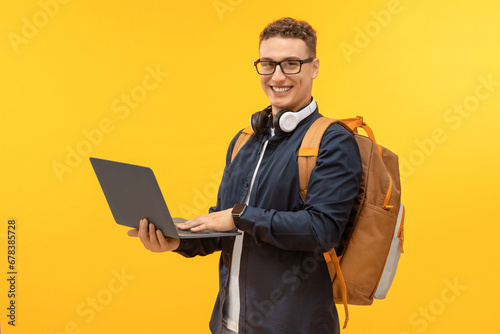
(287, 91)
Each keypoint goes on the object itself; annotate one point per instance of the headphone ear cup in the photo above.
(258, 121)
(276, 120)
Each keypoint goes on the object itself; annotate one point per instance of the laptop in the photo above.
(132, 193)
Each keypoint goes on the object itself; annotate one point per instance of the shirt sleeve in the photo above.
(333, 185)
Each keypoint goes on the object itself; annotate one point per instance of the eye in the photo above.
(291, 64)
(267, 64)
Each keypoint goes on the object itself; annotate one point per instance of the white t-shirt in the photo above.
(232, 303)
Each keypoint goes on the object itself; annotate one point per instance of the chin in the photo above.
(279, 103)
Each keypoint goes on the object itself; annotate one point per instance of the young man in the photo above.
(273, 278)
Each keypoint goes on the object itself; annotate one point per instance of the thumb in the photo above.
(133, 233)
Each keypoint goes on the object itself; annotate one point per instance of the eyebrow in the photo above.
(287, 58)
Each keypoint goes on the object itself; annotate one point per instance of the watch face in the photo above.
(238, 208)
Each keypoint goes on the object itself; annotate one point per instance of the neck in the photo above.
(276, 110)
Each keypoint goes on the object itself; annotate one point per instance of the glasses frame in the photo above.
(278, 63)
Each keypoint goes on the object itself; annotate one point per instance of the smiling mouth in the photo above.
(281, 90)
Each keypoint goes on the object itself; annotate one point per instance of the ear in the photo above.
(315, 68)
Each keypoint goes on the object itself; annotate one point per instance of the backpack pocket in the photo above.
(365, 256)
(392, 259)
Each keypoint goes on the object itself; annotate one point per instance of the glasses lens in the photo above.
(266, 67)
(291, 66)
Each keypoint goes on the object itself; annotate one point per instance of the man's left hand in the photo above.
(217, 221)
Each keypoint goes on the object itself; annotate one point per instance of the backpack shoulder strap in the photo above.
(307, 157)
(242, 139)
(309, 150)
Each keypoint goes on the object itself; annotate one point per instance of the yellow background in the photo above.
(409, 63)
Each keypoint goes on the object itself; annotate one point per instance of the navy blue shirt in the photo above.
(284, 282)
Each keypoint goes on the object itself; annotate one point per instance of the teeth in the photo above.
(281, 89)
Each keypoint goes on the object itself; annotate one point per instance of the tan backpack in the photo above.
(373, 239)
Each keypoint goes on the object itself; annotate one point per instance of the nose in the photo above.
(278, 74)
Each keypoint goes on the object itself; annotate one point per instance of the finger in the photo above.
(143, 223)
(168, 244)
(153, 239)
(191, 223)
(144, 234)
(202, 227)
(133, 233)
(163, 242)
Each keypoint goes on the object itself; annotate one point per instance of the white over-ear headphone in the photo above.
(285, 120)
(288, 120)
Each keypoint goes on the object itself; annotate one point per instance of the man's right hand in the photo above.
(152, 238)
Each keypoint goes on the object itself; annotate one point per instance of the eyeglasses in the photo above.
(289, 66)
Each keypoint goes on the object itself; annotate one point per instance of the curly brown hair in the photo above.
(288, 27)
